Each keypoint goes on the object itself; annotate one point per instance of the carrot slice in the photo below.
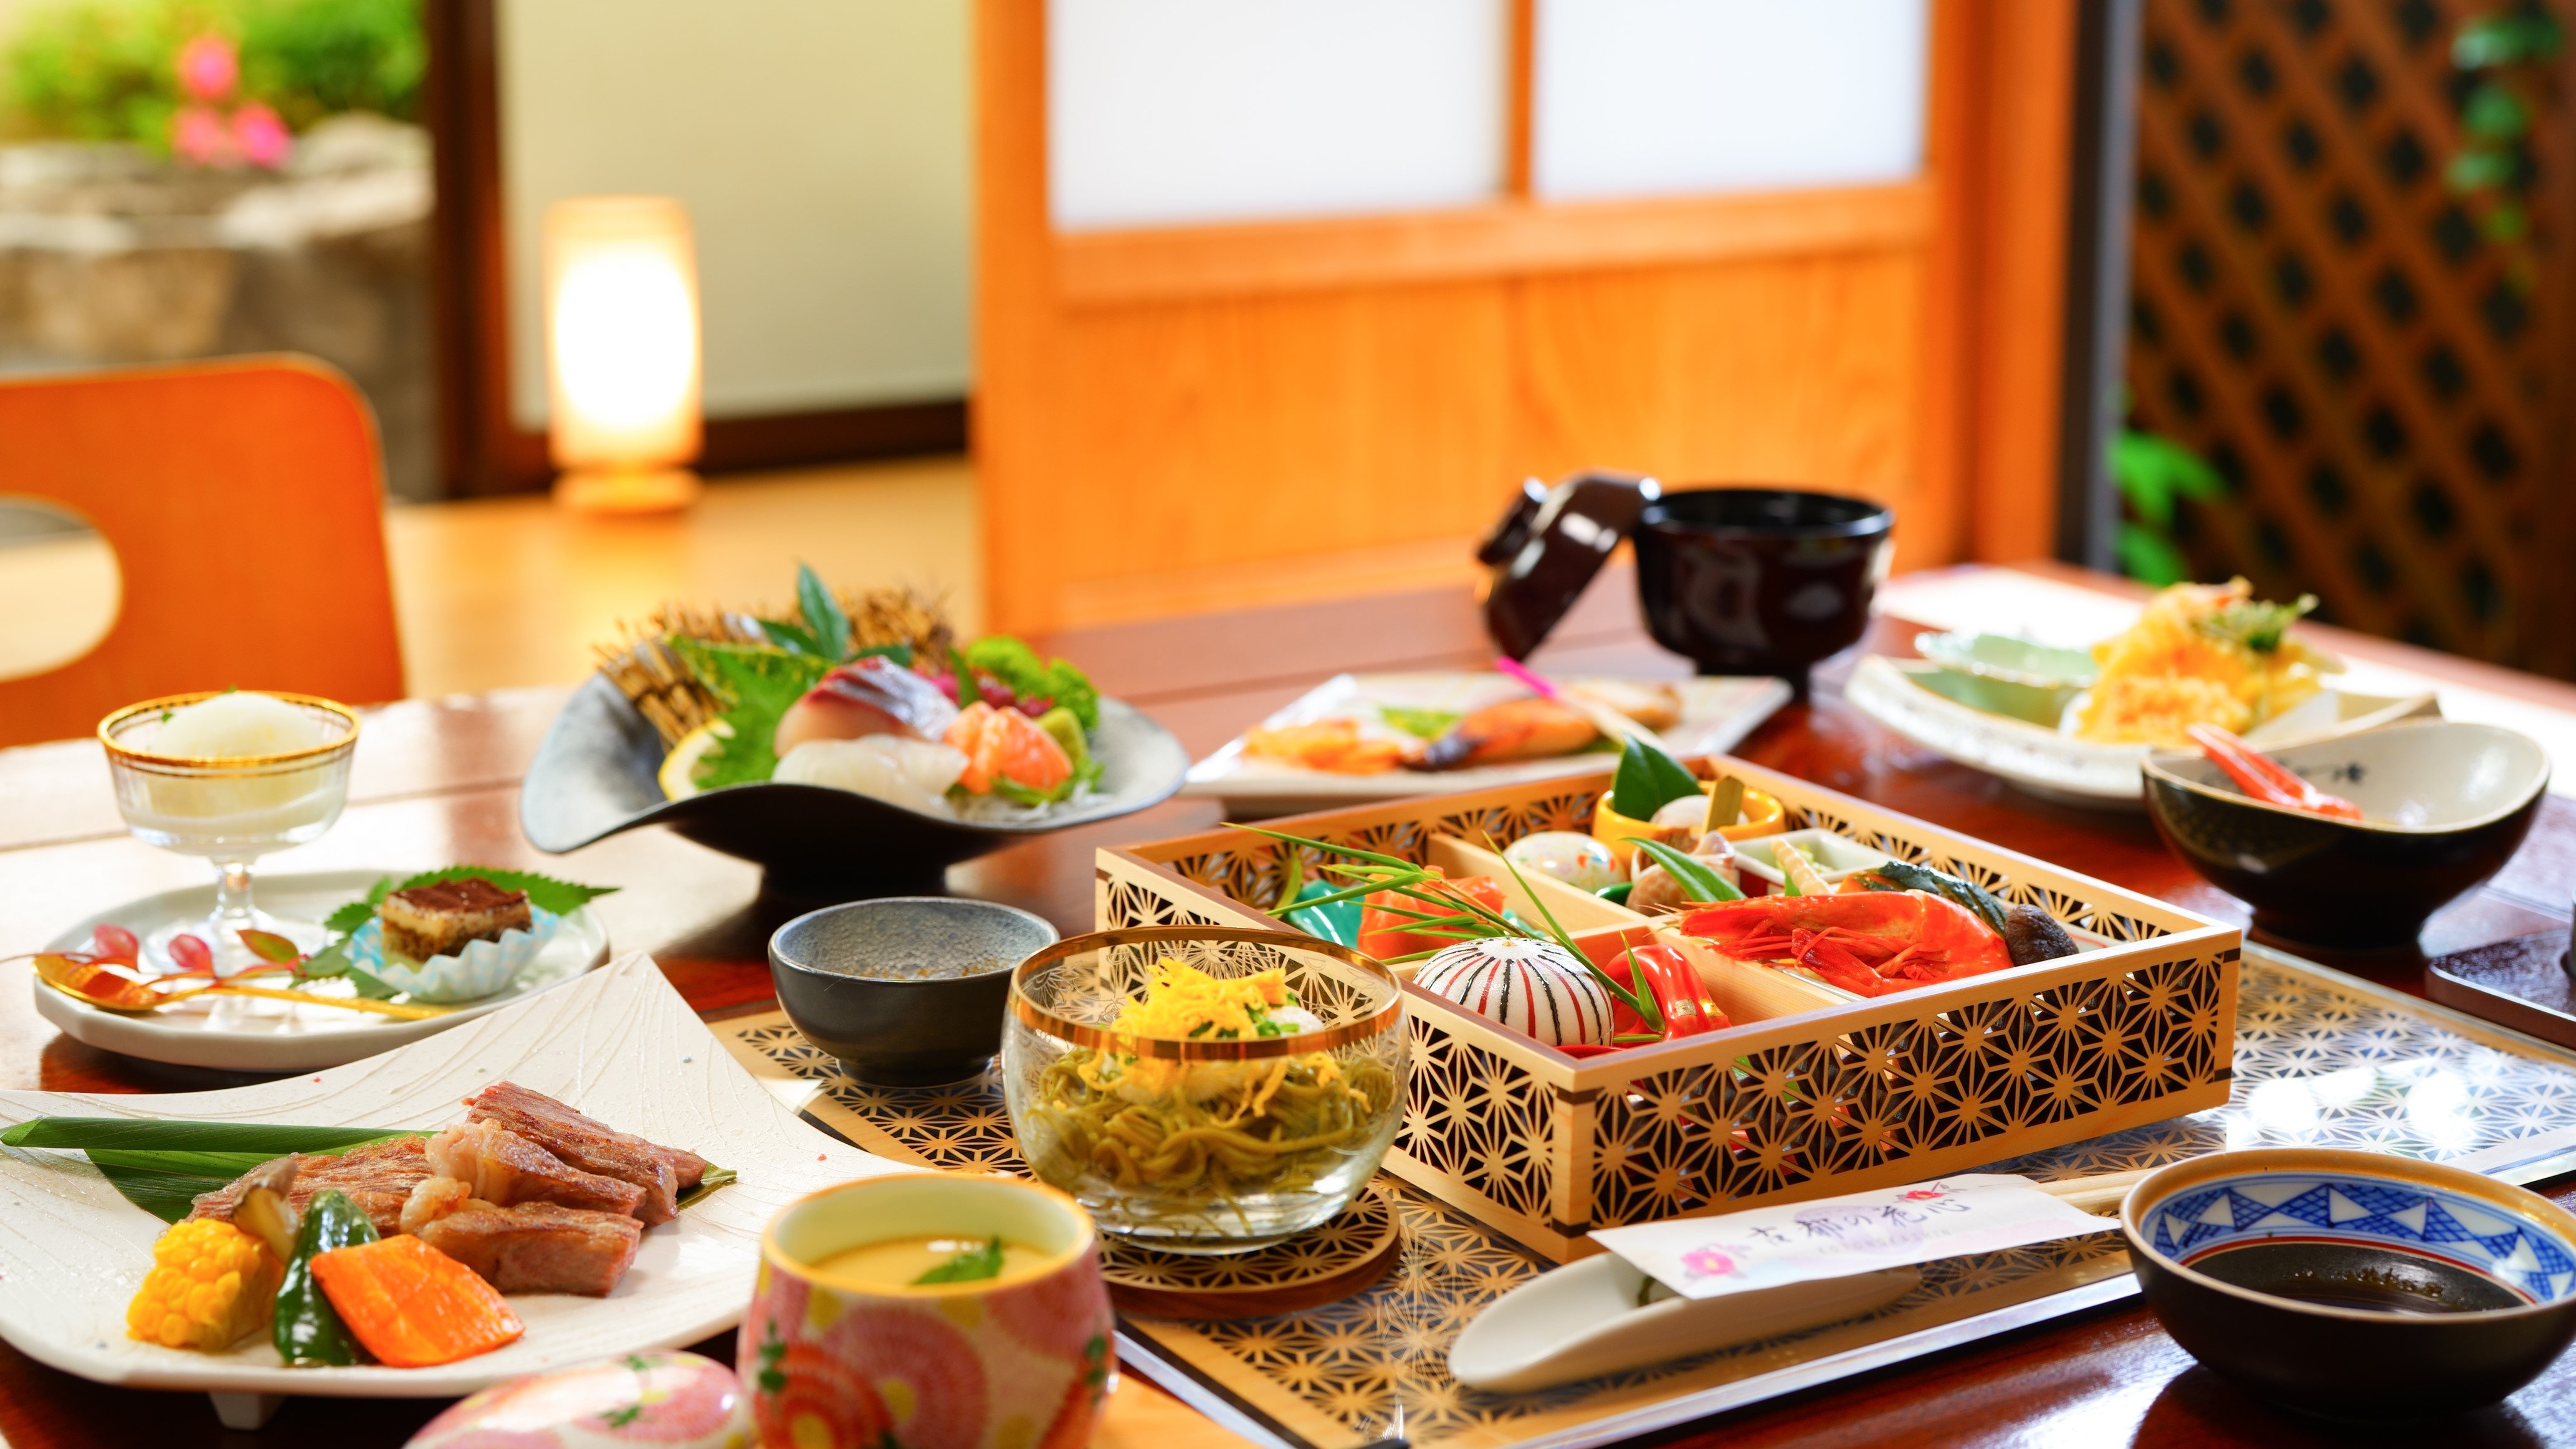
(412, 1305)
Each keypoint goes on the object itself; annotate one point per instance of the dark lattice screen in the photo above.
(2315, 313)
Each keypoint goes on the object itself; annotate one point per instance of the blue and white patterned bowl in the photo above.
(482, 968)
(2354, 1284)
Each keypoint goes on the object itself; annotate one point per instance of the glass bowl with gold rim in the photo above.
(230, 809)
(1208, 1143)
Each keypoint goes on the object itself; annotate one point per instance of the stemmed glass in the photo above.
(230, 810)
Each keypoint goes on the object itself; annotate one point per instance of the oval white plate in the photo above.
(245, 1034)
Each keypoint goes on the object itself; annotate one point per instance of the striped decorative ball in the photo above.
(1529, 986)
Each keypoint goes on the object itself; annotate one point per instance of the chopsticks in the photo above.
(2264, 780)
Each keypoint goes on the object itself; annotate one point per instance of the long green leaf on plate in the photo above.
(147, 1134)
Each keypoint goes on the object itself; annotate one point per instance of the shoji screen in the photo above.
(1161, 112)
(1278, 297)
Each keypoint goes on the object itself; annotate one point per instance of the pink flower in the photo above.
(199, 136)
(209, 68)
(1708, 1262)
(261, 137)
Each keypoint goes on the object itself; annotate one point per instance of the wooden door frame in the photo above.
(482, 449)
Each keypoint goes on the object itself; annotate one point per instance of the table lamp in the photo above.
(622, 364)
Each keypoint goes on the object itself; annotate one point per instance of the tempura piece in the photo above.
(2200, 654)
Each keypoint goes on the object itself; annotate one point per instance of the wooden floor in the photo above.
(514, 591)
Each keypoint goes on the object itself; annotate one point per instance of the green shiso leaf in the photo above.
(1648, 780)
(756, 684)
(562, 897)
(825, 623)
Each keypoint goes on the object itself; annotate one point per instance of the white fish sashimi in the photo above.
(914, 774)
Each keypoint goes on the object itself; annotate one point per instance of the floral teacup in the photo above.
(1015, 1361)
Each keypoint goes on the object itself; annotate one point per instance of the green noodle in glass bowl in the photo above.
(1202, 1089)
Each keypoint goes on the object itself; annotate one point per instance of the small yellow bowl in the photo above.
(1763, 815)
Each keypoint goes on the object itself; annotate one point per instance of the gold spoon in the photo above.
(108, 991)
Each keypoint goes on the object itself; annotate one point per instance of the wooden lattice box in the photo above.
(1813, 1092)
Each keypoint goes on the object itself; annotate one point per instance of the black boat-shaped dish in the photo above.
(595, 776)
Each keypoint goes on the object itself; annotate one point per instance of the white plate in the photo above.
(2062, 767)
(1717, 713)
(618, 1044)
(245, 1034)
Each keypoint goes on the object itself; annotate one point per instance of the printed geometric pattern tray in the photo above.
(2322, 1059)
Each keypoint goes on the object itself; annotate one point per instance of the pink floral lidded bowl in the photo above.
(667, 1400)
(933, 1310)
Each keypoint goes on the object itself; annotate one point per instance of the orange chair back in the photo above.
(244, 501)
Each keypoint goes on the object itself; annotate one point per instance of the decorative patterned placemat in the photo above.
(2322, 1059)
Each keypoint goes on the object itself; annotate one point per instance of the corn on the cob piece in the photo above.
(210, 1284)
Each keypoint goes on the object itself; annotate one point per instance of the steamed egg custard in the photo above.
(928, 1261)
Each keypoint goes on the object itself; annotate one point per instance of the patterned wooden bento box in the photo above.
(1814, 1091)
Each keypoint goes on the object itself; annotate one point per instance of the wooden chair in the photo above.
(244, 501)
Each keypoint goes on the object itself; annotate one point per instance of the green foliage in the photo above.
(105, 70)
(2511, 55)
(2154, 474)
(1016, 665)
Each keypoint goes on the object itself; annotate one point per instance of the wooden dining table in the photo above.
(436, 782)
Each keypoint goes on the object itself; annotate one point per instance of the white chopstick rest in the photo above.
(1672, 1289)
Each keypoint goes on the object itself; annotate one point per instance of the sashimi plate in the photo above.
(1717, 712)
(246, 1034)
(618, 1044)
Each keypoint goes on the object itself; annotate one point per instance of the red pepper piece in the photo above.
(1678, 992)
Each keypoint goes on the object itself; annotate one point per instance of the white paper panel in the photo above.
(1657, 97)
(1164, 112)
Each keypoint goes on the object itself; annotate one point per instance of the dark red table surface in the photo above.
(436, 783)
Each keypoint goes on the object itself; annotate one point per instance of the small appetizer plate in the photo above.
(246, 1034)
(618, 1044)
(1901, 694)
(1835, 856)
(1717, 712)
(1593, 1317)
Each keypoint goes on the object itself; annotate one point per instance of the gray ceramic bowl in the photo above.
(908, 991)
(2353, 1284)
(2447, 805)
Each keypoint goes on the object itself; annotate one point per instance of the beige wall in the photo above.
(822, 149)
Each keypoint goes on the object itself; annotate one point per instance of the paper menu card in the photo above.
(1860, 1232)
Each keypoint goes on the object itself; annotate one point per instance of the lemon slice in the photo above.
(679, 772)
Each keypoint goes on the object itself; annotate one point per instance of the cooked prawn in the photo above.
(1869, 942)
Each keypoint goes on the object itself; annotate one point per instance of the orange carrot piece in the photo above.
(412, 1305)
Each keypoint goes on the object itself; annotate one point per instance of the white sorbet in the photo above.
(914, 774)
(232, 726)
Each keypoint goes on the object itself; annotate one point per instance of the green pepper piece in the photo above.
(307, 1329)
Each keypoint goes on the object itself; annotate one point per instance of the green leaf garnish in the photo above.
(825, 622)
(970, 1266)
(789, 637)
(2257, 624)
(271, 947)
(714, 1177)
(562, 897)
(1698, 882)
(1017, 666)
(1429, 724)
(161, 1166)
(1899, 875)
(756, 684)
(1648, 780)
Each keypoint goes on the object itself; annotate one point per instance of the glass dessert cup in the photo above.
(1202, 1145)
(230, 810)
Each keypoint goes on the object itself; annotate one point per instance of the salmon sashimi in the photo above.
(1006, 744)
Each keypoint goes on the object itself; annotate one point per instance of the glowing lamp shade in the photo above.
(622, 369)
